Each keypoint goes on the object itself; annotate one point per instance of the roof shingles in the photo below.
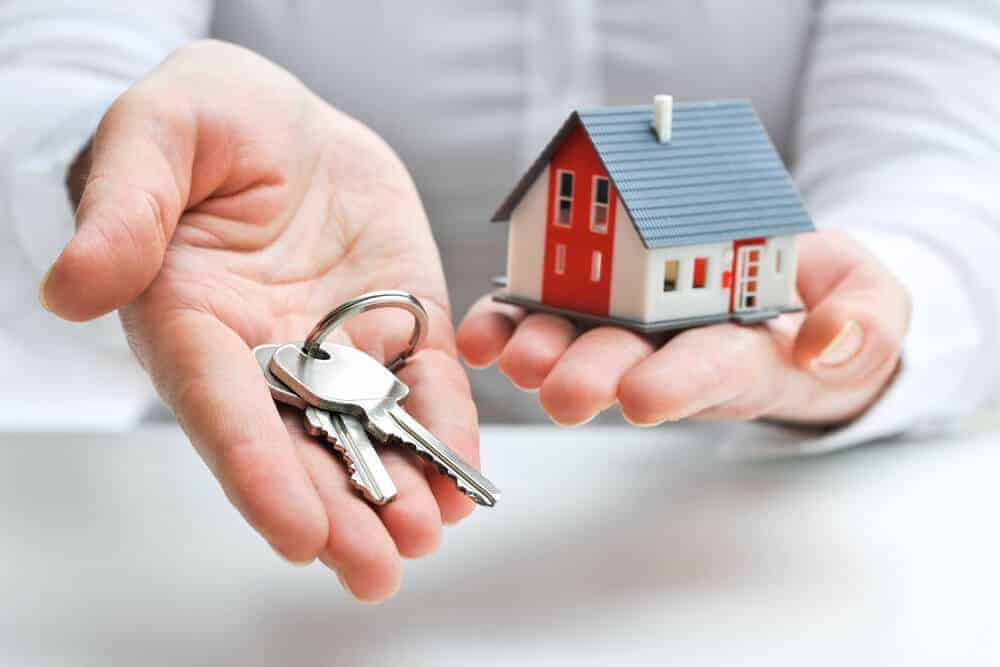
(718, 179)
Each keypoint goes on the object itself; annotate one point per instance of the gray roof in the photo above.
(718, 179)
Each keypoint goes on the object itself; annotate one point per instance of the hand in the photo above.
(824, 367)
(227, 206)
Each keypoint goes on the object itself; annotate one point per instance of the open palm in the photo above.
(824, 367)
(227, 206)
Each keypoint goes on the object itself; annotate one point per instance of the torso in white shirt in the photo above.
(892, 108)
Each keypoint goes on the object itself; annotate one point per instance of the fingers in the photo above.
(537, 344)
(413, 518)
(136, 191)
(703, 368)
(441, 400)
(847, 339)
(585, 379)
(208, 376)
(358, 547)
(485, 331)
(855, 326)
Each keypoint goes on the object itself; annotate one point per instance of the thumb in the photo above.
(135, 192)
(855, 331)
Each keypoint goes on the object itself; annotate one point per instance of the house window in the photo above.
(670, 271)
(595, 266)
(564, 198)
(599, 207)
(700, 277)
(777, 261)
(560, 259)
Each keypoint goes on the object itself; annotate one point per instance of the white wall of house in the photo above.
(775, 288)
(526, 241)
(686, 300)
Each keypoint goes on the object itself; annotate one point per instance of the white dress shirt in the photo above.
(887, 111)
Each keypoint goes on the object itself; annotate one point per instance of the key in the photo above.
(352, 382)
(348, 436)
(282, 394)
(344, 433)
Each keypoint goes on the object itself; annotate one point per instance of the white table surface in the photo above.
(121, 550)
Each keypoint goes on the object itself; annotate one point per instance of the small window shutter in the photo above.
(700, 271)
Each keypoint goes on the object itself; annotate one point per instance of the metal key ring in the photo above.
(362, 304)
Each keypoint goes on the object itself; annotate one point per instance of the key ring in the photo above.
(362, 304)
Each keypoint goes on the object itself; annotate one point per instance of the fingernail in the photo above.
(652, 424)
(526, 390)
(296, 563)
(473, 364)
(572, 424)
(347, 588)
(41, 289)
(343, 583)
(843, 347)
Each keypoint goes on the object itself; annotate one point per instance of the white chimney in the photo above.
(663, 112)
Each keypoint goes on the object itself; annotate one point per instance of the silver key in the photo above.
(352, 382)
(344, 433)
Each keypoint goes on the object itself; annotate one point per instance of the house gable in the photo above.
(578, 265)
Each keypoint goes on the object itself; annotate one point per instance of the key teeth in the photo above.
(474, 495)
(352, 469)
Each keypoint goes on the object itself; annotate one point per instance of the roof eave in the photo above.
(505, 210)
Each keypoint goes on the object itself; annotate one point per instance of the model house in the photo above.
(656, 217)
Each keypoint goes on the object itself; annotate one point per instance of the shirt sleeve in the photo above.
(898, 144)
(61, 66)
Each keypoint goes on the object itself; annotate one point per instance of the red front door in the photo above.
(580, 226)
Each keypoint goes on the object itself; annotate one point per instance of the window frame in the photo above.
(596, 266)
(559, 261)
(676, 286)
(706, 263)
(594, 204)
(561, 198)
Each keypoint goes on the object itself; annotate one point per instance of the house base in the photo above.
(660, 326)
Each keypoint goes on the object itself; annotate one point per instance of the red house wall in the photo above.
(574, 289)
